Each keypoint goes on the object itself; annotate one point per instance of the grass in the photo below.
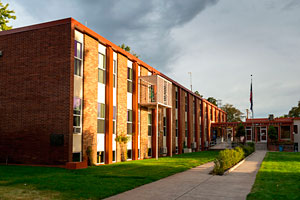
(26, 182)
(278, 177)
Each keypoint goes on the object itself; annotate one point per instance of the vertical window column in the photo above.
(77, 98)
(149, 133)
(115, 82)
(101, 114)
(129, 108)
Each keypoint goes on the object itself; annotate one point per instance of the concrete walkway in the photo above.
(196, 183)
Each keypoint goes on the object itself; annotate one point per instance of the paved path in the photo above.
(196, 183)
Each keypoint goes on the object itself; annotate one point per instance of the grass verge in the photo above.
(278, 177)
(28, 182)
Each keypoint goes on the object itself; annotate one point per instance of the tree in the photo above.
(197, 93)
(295, 111)
(212, 100)
(233, 114)
(240, 130)
(272, 132)
(5, 15)
(128, 49)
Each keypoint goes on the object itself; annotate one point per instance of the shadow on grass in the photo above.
(101, 181)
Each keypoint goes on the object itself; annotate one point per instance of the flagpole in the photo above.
(251, 93)
(252, 98)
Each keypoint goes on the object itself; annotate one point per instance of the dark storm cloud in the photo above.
(143, 25)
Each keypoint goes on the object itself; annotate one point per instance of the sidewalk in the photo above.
(196, 183)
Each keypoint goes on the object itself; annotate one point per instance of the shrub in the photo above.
(248, 148)
(226, 159)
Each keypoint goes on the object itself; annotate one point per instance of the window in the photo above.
(165, 92)
(129, 80)
(186, 129)
(165, 126)
(129, 154)
(149, 152)
(176, 130)
(76, 157)
(101, 118)
(114, 156)
(151, 93)
(296, 129)
(149, 124)
(114, 119)
(129, 122)
(77, 108)
(101, 68)
(186, 103)
(176, 99)
(78, 58)
(100, 157)
(114, 73)
(285, 132)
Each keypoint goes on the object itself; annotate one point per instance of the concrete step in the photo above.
(261, 146)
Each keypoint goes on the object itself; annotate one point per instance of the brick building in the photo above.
(256, 130)
(66, 93)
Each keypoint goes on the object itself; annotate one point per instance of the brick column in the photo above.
(189, 121)
(202, 126)
(197, 124)
(154, 132)
(208, 123)
(180, 121)
(169, 131)
(90, 88)
(135, 129)
(109, 105)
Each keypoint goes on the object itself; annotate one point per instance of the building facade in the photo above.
(67, 93)
(256, 130)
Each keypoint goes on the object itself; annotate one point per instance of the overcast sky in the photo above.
(221, 42)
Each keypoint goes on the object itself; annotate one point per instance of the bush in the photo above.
(248, 148)
(227, 158)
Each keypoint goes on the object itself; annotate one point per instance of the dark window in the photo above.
(129, 154)
(76, 157)
(100, 157)
(114, 156)
(149, 152)
(296, 129)
(285, 132)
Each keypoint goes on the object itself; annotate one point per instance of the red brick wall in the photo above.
(35, 101)
(90, 91)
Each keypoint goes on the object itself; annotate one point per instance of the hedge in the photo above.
(229, 157)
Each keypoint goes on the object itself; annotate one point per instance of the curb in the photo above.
(237, 165)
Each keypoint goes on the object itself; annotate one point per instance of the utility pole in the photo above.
(190, 73)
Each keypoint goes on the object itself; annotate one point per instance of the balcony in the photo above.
(155, 90)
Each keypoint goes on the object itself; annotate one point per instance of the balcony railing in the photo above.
(154, 90)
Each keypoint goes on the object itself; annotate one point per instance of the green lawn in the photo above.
(278, 177)
(28, 182)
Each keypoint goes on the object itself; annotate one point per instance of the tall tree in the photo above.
(233, 114)
(5, 15)
(128, 49)
(197, 93)
(212, 100)
(295, 111)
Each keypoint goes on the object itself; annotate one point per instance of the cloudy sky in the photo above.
(221, 42)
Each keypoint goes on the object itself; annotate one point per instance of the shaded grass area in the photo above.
(94, 182)
(278, 177)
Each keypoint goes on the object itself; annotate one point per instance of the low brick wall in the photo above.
(286, 147)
